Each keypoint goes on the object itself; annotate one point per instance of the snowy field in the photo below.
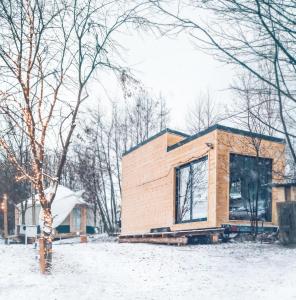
(107, 270)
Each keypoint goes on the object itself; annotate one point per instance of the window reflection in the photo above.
(192, 191)
(249, 178)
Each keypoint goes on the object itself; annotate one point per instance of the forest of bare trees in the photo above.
(49, 53)
(51, 50)
(103, 140)
(94, 159)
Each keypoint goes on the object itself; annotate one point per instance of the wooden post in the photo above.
(83, 238)
(42, 255)
(16, 220)
(33, 206)
(83, 219)
(5, 217)
(214, 238)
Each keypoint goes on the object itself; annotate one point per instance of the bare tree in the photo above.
(145, 115)
(203, 113)
(17, 191)
(245, 33)
(255, 105)
(102, 142)
(49, 51)
(255, 111)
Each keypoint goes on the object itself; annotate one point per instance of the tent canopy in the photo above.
(64, 202)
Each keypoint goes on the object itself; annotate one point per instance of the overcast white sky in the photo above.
(177, 70)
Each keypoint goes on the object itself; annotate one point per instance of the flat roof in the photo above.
(167, 130)
(189, 138)
(226, 129)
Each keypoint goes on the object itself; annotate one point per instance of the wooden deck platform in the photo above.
(180, 237)
(58, 236)
(246, 228)
(20, 238)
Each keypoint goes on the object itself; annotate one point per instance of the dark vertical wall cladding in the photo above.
(287, 222)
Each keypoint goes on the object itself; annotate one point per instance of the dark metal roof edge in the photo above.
(283, 184)
(227, 129)
(167, 130)
(193, 137)
(176, 132)
(251, 134)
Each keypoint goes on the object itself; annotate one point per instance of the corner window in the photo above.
(249, 193)
(192, 191)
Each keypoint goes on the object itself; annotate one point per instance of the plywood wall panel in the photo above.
(148, 179)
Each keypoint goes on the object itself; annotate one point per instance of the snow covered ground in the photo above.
(107, 270)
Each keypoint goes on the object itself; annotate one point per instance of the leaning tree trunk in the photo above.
(46, 241)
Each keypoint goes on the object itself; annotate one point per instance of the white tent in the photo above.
(64, 201)
(62, 207)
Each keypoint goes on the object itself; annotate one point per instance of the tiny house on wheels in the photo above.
(71, 214)
(173, 183)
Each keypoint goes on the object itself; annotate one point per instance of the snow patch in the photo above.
(104, 270)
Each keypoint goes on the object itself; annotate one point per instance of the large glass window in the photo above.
(249, 189)
(192, 191)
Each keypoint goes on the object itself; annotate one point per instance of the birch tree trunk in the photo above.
(49, 51)
(47, 238)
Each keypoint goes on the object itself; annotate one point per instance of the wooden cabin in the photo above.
(174, 182)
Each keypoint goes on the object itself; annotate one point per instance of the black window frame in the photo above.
(177, 181)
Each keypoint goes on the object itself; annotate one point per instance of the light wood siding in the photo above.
(148, 179)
